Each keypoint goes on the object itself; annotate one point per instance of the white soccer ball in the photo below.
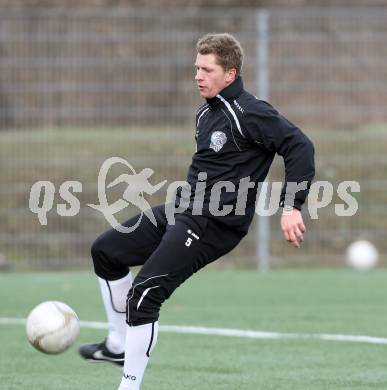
(362, 255)
(52, 327)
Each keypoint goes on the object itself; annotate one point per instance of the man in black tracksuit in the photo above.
(237, 137)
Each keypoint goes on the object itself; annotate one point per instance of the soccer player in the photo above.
(237, 137)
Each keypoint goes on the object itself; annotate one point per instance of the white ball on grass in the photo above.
(52, 327)
(362, 255)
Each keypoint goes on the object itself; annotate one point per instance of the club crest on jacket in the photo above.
(218, 139)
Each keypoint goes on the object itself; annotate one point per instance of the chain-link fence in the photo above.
(80, 85)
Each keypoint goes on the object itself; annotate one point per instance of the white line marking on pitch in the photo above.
(252, 334)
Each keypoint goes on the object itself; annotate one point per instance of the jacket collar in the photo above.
(233, 91)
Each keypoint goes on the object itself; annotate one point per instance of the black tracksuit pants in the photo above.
(169, 254)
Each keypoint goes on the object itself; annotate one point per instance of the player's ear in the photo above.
(231, 75)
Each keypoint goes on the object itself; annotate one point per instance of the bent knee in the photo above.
(97, 249)
(106, 265)
(143, 304)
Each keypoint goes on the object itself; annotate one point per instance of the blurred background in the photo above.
(84, 81)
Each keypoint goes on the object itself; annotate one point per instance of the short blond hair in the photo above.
(225, 47)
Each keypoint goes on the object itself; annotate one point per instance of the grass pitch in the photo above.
(302, 302)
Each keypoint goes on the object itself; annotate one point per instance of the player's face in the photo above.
(210, 77)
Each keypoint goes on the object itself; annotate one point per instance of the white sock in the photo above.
(114, 295)
(140, 341)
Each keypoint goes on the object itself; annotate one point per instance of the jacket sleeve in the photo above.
(274, 133)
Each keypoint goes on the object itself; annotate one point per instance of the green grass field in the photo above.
(302, 302)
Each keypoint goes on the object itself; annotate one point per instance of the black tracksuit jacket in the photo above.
(237, 136)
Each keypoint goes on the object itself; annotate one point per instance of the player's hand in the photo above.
(292, 226)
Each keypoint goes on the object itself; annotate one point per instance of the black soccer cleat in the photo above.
(100, 353)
